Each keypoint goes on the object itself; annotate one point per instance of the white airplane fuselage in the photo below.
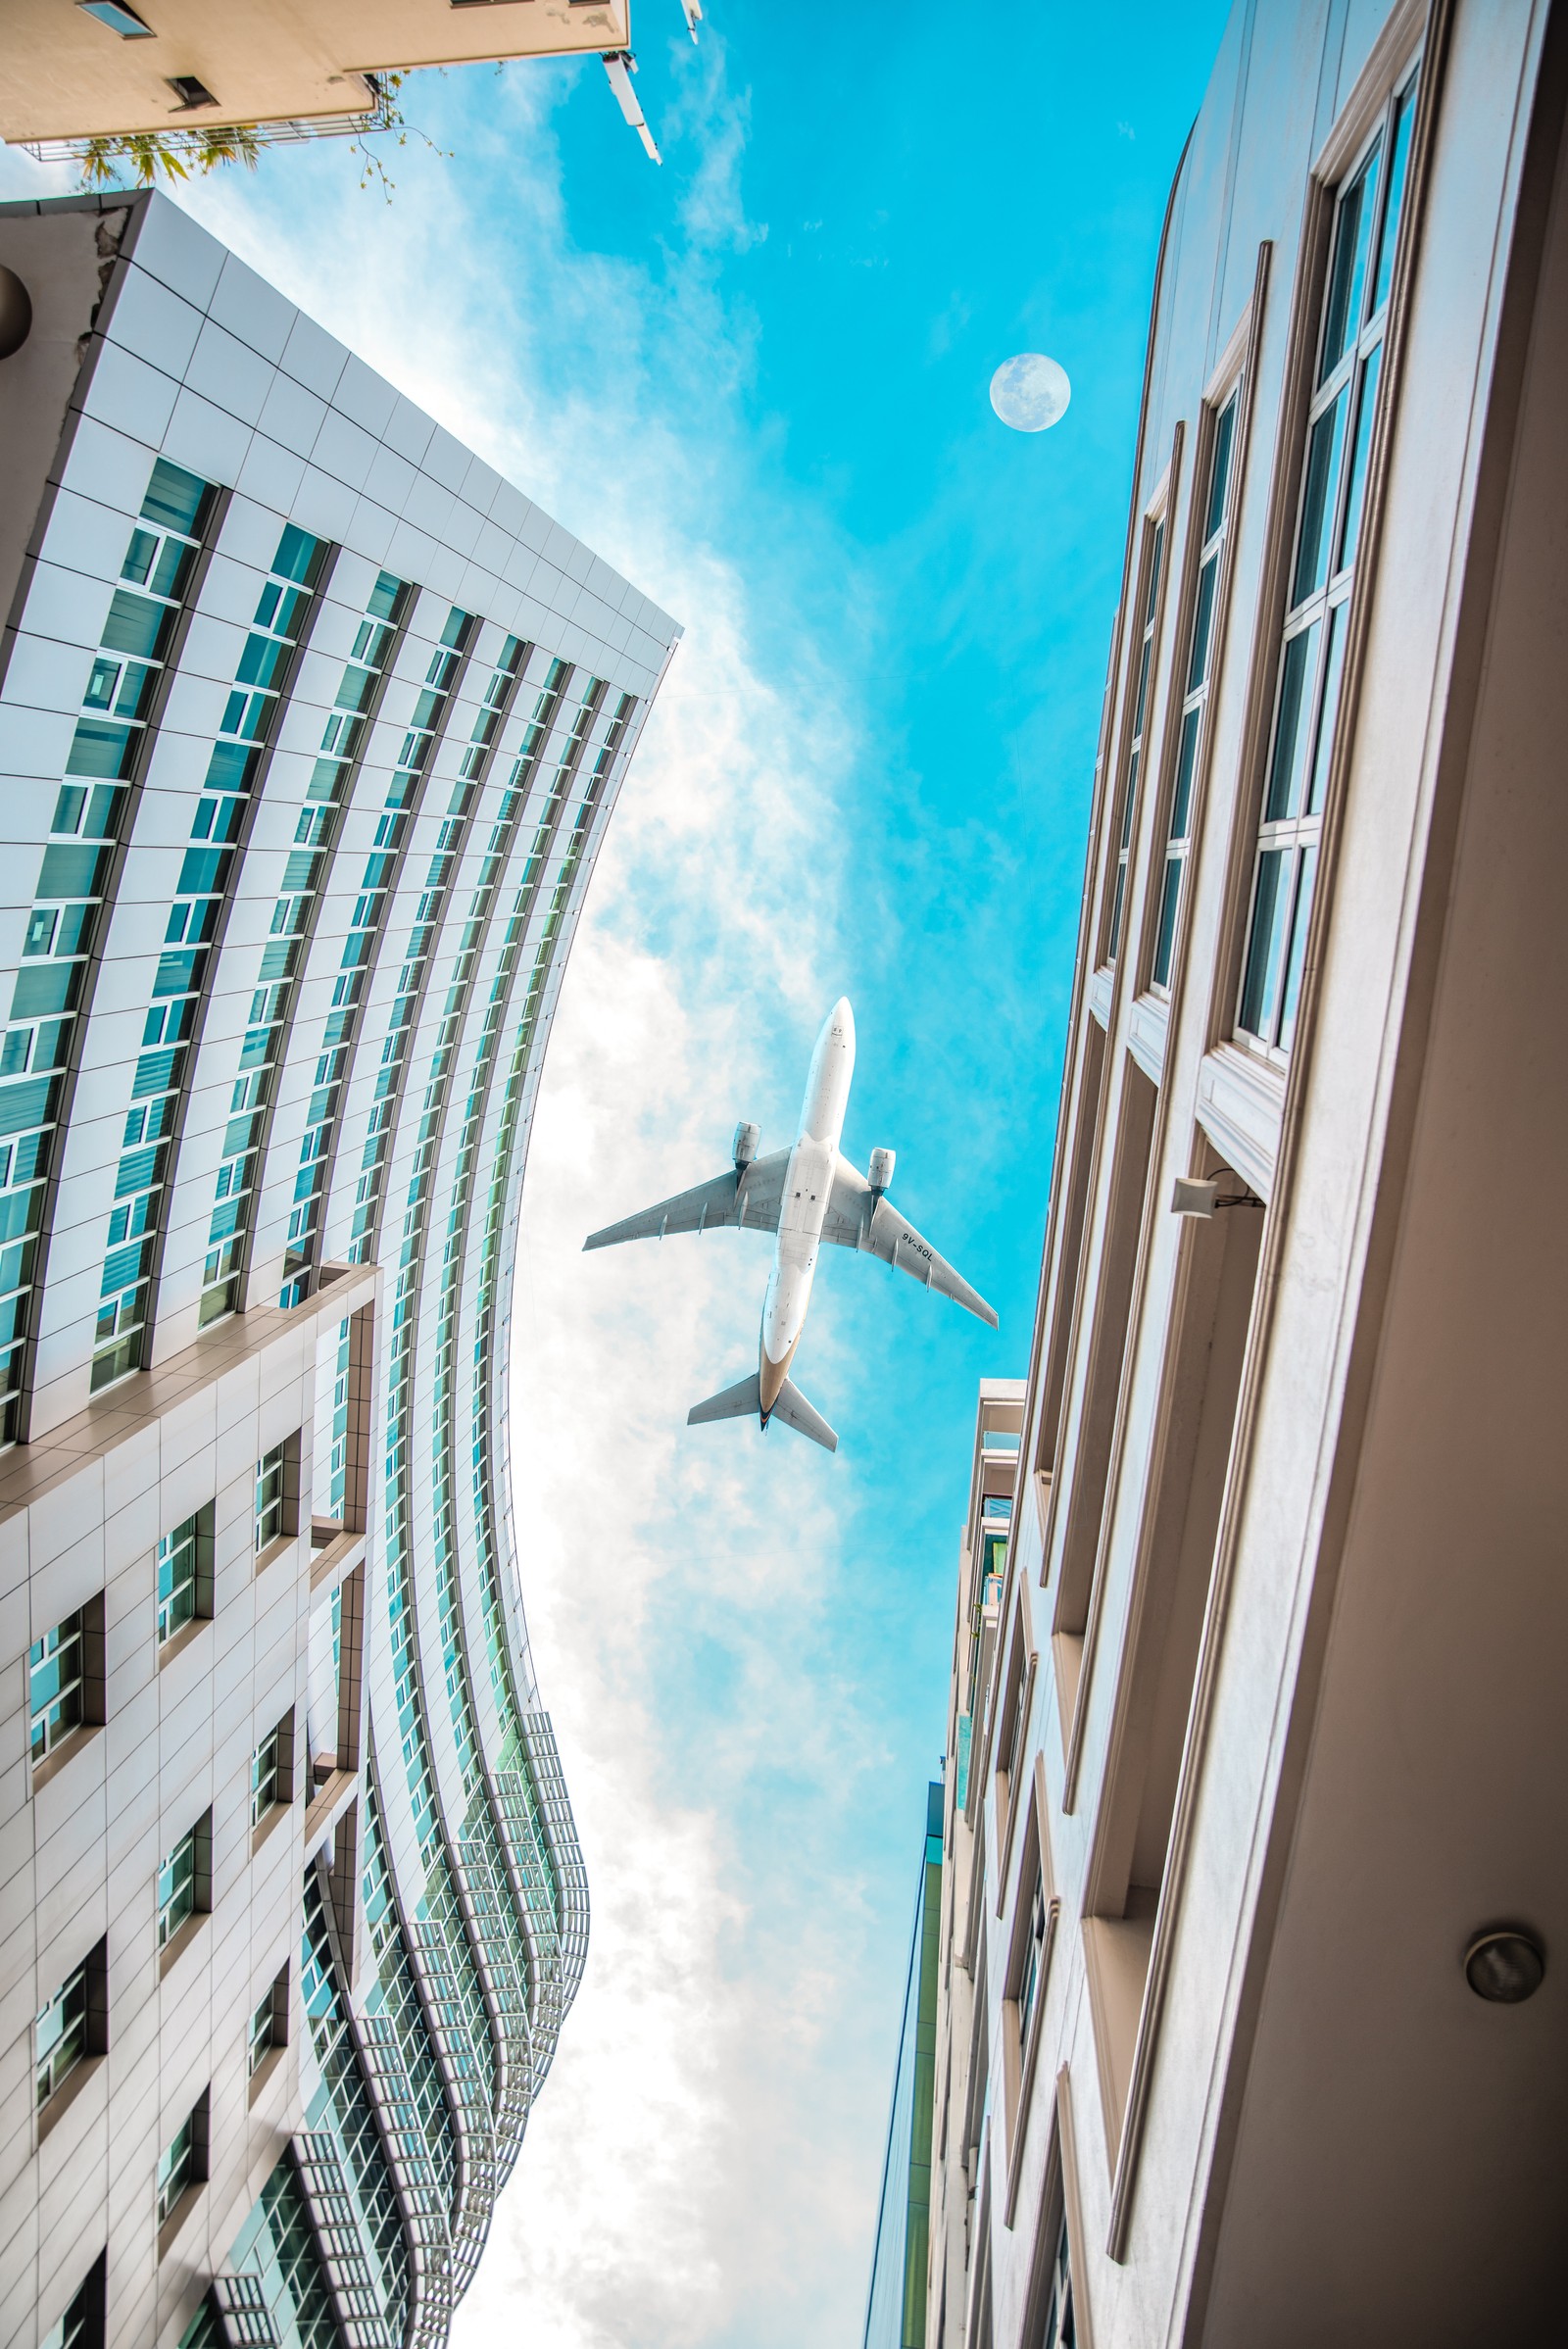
(808, 1187)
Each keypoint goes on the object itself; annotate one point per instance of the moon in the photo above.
(1030, 392)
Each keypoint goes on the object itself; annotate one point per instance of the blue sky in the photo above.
(756, 380)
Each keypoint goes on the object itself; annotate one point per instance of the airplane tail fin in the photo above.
(796, 1412)
(744, 1399)
(735, 1402)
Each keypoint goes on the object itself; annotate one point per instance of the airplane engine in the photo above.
(746, 1141)
(879, 1174)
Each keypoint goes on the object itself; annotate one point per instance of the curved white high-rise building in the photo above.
(310, 729)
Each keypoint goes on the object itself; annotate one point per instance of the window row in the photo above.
(1334, 465)
(73, 2024)
(66, 1665)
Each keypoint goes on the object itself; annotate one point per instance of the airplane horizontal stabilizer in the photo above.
(745, 1398)
(735, 1402)
(796, 1412)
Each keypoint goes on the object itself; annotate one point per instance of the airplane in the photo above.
(807, 1194)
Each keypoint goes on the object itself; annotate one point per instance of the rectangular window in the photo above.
(261, 2038)
(1218, 504)
(60, 2034)
(56, 1667)
(272, 1771)
(184, 1574)
(1033, 1955)
(1061, 2331)
(1339, 427)
(268, 2025)
(83, 2324)
(1147, 631)
(184, 1880)
(276, 1480)
(176, 2167)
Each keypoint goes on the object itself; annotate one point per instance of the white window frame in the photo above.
(1340, 423)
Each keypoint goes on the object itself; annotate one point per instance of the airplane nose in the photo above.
(843, 1019)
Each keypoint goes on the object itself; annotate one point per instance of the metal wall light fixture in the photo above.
(1504, 1965)
(1200, 1195)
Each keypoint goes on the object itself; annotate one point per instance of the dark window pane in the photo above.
(1170, 899)
(261, 661)
(1328, 710)
(1259, 987)
(105, 808)
(1220, 471)
(1143, 689)
(231, 768)
(179, 973)
(1298, 951)
(1355, 492)
(1291, 727)
(1116, 912)
(204, 869)
(139, 557)
(1156, 554)
(136, 624)
(1398, 162)
(1126, 806)
(1202, 622)
(1352, 232)
(100, 749)
(1186, 761)
(1318, 501)
(72, 872)
(177, 499)
(299, 556)
(172, 568)
(387, 597)
(47, 990)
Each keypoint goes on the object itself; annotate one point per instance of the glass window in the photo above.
(1340, 431)
(270, 1499)
(1216, 510)
(269, 1776)
(60, 2034)
(997, 1505)
(176, 2167)
(71, 2329)
(178, 1576)
(264, 2033)
(176, 1887)
(55, 1683)
(1141, 715)
(1061, 2331)
(1033, 1956)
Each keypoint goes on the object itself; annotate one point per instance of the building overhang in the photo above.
(71, 75)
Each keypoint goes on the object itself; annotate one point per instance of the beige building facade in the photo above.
(94, 68)
(1254, 1993)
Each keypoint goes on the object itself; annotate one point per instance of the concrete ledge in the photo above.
(124, 1412)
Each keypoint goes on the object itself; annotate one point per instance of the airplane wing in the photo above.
(859, 1218)
(752, 1198)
